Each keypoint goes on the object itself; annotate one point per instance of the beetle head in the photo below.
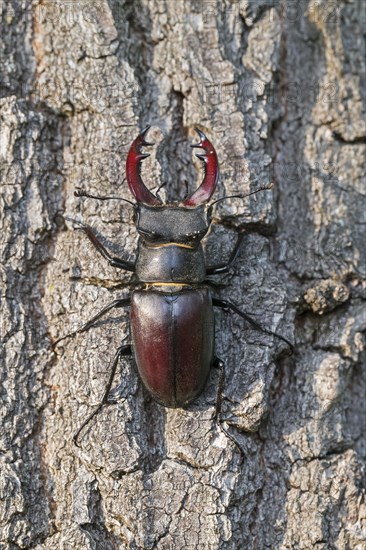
(168, 224)
(185, 223)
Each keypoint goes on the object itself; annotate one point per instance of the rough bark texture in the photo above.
(280, 90)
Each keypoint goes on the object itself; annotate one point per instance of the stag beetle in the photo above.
(171, 306)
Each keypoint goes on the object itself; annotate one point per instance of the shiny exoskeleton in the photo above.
(171, 307)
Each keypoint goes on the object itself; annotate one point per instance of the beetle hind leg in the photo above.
(225, 305)
(124, 302)
(217, 414)
(123, 351)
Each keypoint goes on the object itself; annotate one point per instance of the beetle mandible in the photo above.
(171, 305)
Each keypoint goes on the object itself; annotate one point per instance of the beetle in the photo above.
(171, 304)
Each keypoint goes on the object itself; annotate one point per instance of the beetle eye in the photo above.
(196, 236)
(144, 233)
(149, 235)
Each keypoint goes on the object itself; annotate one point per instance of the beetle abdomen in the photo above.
(173, 339)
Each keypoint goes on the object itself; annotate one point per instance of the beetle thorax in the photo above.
(170, 248)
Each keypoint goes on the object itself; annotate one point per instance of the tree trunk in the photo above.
(280, 91)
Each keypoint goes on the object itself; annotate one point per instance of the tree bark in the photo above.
(279, 88)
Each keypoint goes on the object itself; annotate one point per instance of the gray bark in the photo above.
(280, 90)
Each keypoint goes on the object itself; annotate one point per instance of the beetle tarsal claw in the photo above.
(79, 225)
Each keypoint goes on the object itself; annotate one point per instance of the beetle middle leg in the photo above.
(104, 283)
(224, 304)
(123, 351)
(116, 303)
(216, 416)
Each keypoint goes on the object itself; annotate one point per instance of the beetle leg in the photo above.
(105, 283)
(113, 260)
(123, 351)
(224, 268)
(214, 284)
(216, 416)
(116, 303)
(224, 304)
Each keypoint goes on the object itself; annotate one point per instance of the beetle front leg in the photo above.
(112, 260)
(224, 304)
(116, 303)
(224, 268)
(123, 351)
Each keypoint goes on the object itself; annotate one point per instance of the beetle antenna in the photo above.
(81, 193)
(242, 196)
